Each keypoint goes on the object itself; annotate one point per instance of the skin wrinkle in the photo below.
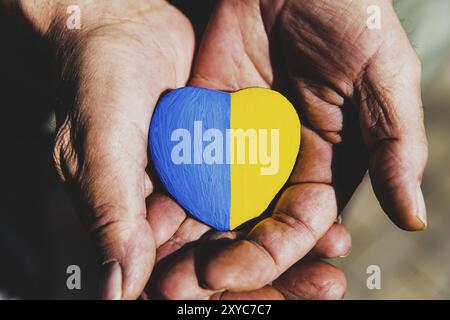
(263, 77)
(174, 243)
(272, 238)
(321, 290)
(100, 228)
(345, 31)
(157, 48)
(359, 35)
(97, 203)
(304, 31)
(140, 162)
(374, 99)
(295, 227)
(63, 156)
(342, 84)
(322, 92)
(358, 79)
(264, 251)
(336, 82)
(164, 205)
(111, 85)
(109, 246)
(200, 78)
(126, 149)
(315, 104)
(292, 293)
(316, 174)
(180, 237)
(105, 204)
(304, 60)
(239, 61)
(313, 43)
(92, 164)
(394, 163)
(282, 216)
(315, 109)
(267, 79)
(376, 117)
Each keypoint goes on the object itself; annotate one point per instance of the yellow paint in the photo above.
(254, 185)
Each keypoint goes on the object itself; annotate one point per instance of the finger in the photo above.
(175, 275)
(189, 231)
(109, 186)
(312, 280)
(335, 243)
(182, 273)
(179, 280)
(229, 68)
(308, 279)
(391, 118)
(165, 217)
(274, 244)
(109, 132)
(176, 279)
(301, 217)
(281, 232)
(265, 293)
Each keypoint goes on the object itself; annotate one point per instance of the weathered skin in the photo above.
(125, 57)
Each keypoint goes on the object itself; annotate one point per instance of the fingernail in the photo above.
(422, 213)
(111, 281)
(346, 255)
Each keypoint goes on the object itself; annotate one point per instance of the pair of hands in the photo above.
(358, 94)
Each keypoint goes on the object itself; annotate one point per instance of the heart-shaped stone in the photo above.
(224, 156)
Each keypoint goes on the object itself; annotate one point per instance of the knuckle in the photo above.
(112, 236)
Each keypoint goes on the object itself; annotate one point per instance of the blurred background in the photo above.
(40, 235)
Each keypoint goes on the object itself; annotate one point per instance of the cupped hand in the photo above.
(183, 243)
(114, 70)
(358, 94)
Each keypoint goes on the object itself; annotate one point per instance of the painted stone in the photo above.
(224, 156)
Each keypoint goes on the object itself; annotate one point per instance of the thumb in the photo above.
(101, 153)
(114, 74)
(110, 186)
(391, 118)
(102, 146)
(121, 231)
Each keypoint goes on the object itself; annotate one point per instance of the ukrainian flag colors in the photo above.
(252, 191)
(224, 156)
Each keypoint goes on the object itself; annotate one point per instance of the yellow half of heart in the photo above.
(275, 125)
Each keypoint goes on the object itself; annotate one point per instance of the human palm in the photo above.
(358, 95)
(113, 73)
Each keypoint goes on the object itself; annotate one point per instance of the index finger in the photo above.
(301, 217)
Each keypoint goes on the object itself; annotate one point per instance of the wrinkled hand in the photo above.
(113, 71)
(183, 243)
(116, 68)
(358, 94)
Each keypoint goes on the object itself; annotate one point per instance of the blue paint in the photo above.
(202, 189)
